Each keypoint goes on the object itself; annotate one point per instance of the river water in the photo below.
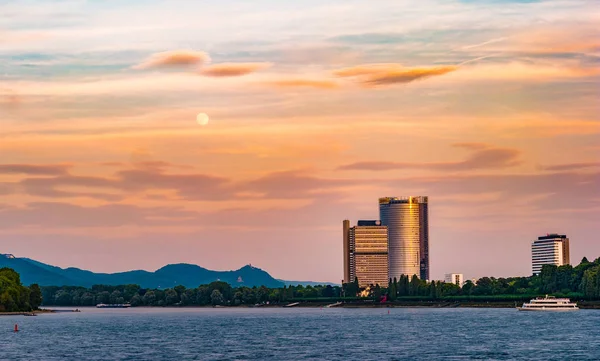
(302, 334)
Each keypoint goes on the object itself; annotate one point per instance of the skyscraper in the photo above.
(366, 253)
(407, 219)
(346, 227)
(550, 249)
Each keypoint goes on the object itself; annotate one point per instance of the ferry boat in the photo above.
(549, 303)
(118, 305)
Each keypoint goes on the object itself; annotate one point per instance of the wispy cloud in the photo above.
(9, 99)
(571, 166)
(492, 41)
(304, 83)
(388, 74)
(174, 59)
(35, 169)
(482, 157)
(233, 69)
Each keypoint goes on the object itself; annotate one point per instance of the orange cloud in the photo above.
(233, 69)
(35, 169)
(10, 99)
(483, 157)
(304, 83)
(571, 166)
(471, 146)
(387, 74)
(175, 58)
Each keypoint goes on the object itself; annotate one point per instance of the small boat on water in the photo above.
(549, 303)
(114, 305)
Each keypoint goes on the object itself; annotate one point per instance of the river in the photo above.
(302, 334)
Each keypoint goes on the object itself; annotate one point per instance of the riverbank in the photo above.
(397, 304)
(31, 313)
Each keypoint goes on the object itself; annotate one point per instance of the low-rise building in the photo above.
(456, 278)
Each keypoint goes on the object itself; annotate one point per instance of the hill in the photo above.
(308, 283)
(187, 275)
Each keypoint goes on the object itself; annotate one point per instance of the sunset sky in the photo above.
(317, 108)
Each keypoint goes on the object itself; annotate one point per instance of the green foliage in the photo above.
(351, 289)
(582, 281)
(35, 296)
(14, 297)
(216, 297)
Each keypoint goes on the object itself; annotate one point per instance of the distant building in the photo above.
(550, 249)
(7, 255)
(366, 253)
(456, 278)
(407, 219)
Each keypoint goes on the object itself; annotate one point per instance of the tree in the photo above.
(216, 297)
(590, 283)
(114, 296)
(87, 299)
(103, 297)
(136, 300)
(467, 288)
(393, 290)
(403, 286)
(548, 278)
(14, 296)
(327, 291)
(149, 298)
(171, 297)
(62, 298)
(376, 292)
(432, 290)
(179, 289)
(414, 286)
(35, 296)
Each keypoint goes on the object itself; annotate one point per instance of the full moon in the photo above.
(202, 118)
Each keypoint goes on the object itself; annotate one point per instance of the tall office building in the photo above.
(407, 219)
(550, 249)
(366, 253)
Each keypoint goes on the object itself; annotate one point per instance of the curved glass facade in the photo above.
(408, 235)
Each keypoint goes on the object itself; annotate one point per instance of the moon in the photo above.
(202, 118)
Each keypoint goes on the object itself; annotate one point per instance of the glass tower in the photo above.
(407, 219)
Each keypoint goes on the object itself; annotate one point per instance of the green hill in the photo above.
(187, 275)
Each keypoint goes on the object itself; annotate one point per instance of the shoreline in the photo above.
(584, 305)
(30, 313)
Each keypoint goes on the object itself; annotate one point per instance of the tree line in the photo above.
(582, 281)
(215, 293)
(579, 282)
(14, 297)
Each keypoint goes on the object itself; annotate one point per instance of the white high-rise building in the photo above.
(549, 249)
(456, 278)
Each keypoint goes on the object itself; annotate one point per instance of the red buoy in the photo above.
(16, 328)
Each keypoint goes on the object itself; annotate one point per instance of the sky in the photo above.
(316, 110)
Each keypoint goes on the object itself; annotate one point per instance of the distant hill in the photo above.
(188, 275)
(308, 283)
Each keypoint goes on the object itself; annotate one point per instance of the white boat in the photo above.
(549, 303)
(116, 305)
